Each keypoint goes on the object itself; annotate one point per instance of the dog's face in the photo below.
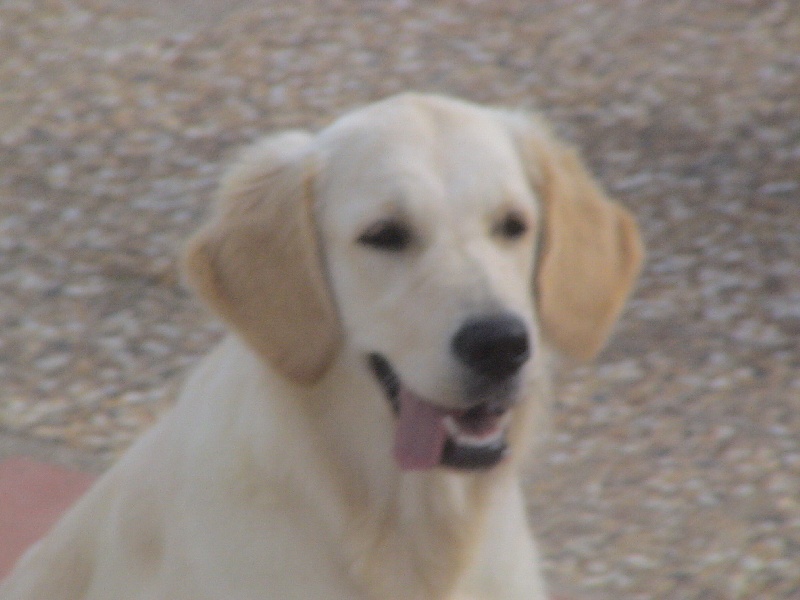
(443, 243)
(429, 247)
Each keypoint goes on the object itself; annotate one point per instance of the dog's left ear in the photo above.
(257, 263)
(590, 251)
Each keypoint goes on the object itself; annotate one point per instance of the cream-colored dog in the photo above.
(394, 284)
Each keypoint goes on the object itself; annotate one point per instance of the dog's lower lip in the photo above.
(464, 457)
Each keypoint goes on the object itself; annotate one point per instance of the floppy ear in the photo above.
(257, 262)
(590, 251)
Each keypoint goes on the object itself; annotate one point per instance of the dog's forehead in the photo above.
(412, 147)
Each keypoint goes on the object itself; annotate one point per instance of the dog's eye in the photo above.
(512, 226)
(387, 235)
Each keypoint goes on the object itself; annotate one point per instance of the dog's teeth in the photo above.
(466, 439)
(450, 426)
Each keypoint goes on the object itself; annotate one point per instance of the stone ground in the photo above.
(673, 468)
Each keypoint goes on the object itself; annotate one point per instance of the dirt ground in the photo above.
(673, 466)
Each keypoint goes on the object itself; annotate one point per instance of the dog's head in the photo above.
(442, 242)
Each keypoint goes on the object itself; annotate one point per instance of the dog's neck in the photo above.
(422, 539)
(417, 530)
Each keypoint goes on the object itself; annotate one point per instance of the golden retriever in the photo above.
(394, 285)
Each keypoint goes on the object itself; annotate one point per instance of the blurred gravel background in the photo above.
(673, 470)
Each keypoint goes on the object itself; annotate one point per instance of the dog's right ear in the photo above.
(257, 262)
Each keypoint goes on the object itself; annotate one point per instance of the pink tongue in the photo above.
(420, 434)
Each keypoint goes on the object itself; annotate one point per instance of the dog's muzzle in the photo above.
(427, 435)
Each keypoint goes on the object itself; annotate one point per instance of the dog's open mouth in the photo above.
(428, 436)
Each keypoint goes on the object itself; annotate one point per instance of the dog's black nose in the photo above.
(495, 346)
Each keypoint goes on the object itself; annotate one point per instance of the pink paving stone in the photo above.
(32, 497)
